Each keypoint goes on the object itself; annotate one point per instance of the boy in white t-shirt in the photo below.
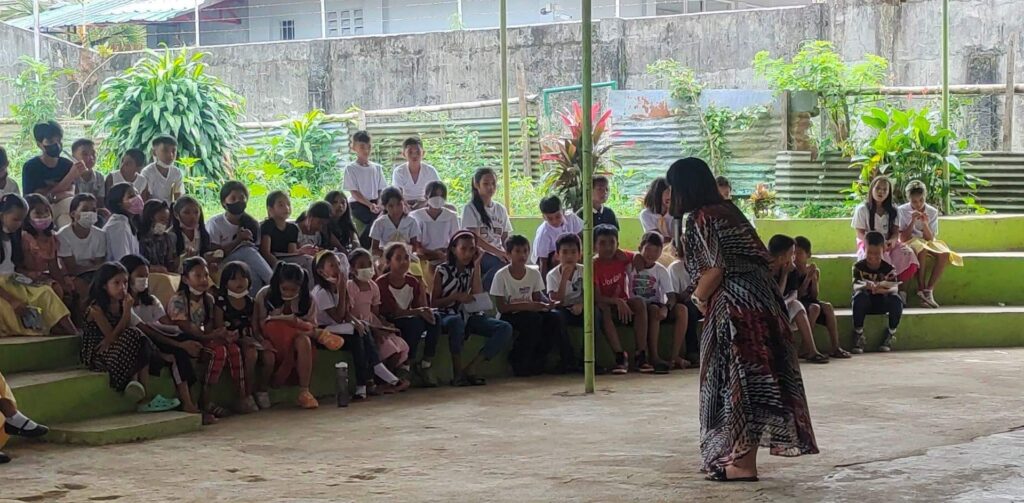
(651, 284)
(437, 226)
(556, 223)
(413, 176)
(7, 184)
(163, 179)
(364, 180)
(565, 286)
(518, 291)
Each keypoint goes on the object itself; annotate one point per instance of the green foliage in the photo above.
(818, 67)
(171, 93)
(815, 209)
(565, 153)
(36, 90)
(305, 152)
(908, 145)
(763, 201)
(715, 121)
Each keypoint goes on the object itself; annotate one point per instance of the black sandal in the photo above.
(475, 380)
(840, 353)
(717, 474)
(661, 368)
(816, 358)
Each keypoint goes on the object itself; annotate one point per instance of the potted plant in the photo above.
(565, 153)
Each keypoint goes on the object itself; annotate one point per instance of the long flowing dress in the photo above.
(751, 391)
(127, 355)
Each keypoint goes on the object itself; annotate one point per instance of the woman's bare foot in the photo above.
(681, 363)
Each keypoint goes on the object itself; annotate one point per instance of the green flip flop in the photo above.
(160, 404)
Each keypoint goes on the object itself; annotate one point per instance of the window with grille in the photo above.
(288, 29)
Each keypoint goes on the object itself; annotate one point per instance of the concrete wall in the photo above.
(16, 42)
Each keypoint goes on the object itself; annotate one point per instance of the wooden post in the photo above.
(1011, 62)
(523, 116)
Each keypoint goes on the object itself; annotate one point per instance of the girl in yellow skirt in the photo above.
(21, 300)
(919, 229)
(15, 423)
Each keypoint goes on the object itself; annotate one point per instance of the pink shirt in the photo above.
(363, 301)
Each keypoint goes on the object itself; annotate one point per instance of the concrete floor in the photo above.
(923, 426)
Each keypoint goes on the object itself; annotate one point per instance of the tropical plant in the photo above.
(907, 145)
(566, 153)
(35, 88)
(305, 149)
(818, 67)
(171, 94)
(762, 200)
(714, 121)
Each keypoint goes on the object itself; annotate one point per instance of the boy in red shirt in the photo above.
(611, 277)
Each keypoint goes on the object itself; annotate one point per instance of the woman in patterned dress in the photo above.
(751, 392)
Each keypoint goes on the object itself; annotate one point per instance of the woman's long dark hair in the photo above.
(114, 198)
(693, 186)
(34, 200)
(342, 226)
(179, 242)
(245, 219)
(98, 289)
(131, 263)
(289, 272)
(478, 202)
(149, 211)
(452, 260)
(11, 202)
(887, 205)
(652, 200)
(186, 267)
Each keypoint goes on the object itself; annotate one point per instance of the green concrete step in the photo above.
(986, 279)
(943, 328)
(56, 396)
(124, 428)
(25, 354)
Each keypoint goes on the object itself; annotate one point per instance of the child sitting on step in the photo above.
(611, 279)
(919, 229)
(404, 304)
(235, 311)
(39, 245)
(806, 277)
(364, 296)
(781, 247)
(875, 291)
(650, 282)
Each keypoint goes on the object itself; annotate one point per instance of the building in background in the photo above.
(172, 22)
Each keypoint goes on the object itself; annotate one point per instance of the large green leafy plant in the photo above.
(305, 149)
(818, 67)
(35, 89)
(907, 145)
(171, 94)
(565, 153)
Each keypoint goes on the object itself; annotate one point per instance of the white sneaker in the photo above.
(262, 399)
(927, 299)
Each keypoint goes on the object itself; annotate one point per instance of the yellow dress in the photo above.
(5, 393)
(42, 297)
(935, 246)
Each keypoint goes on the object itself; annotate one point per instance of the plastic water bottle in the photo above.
(341, 384)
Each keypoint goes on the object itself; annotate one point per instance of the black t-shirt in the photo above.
(279, 239)
(35, 175)
(863, 273)
(605, 216)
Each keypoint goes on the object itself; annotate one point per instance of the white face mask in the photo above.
(436, 202)
(289, 299)
(238, 295)
(195, 292)
(159, 228)
(87, 218)
(140, 284)
(164, 165)
(364, 274)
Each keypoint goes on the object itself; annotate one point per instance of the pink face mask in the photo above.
(41, 224)
(134, 205)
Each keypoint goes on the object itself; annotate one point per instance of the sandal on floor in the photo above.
(476, 380)
(217, 411)
(461, 382)
(661, 368)
(717, 474)
(840, 353)
(209, 419)
(681, 364)
(159, 404)
(816, 358)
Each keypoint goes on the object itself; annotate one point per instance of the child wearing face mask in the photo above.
(236, 311)
(163, 178)
(172, 350)
(18, 298)
(81, 246)
(39, 245)
(89, 182)
(236, 234)
(50, 174)
(156, 244)
(438, 224)
(7, 184)
(364, 298)
(125, 206)
(191, 309)
(286, 317)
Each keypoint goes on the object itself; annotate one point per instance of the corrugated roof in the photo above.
(108, 12)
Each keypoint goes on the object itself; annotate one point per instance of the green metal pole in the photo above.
(586, 148)
(945, 101)
(506, 174)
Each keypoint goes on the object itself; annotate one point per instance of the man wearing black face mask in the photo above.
(49, 174)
